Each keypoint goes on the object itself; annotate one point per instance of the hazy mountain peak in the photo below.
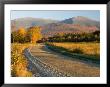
(82, 18)
(81, 21)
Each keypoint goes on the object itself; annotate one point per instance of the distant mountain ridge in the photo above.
(29, 21)
(81, 21)
(55, 28)
(50, 27)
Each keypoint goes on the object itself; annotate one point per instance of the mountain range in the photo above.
(51, 27)
(81, 21)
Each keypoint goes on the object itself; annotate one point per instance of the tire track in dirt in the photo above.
(49, 64)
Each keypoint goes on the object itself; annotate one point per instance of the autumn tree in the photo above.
(22, 31)
(14, 37)
(19, 35)
(34, 34)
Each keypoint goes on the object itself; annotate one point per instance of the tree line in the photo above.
(33, 35)
(23, 35)
(77, 37)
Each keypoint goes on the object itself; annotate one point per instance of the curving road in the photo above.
(45, 63)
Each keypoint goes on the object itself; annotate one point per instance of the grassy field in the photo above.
(18, 61)
(84, 48)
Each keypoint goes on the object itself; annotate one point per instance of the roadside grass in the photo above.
(81, 50)
(18, 61)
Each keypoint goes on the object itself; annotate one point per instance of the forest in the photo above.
(33, 35)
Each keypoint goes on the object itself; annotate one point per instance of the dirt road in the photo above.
(46, 63)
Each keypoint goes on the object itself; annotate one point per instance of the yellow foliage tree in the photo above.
(21, 34)
(34, 34)
(22, 31)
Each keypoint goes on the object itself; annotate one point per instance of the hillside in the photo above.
(28, 22)
(77, 24)
(54, 28)
(84, 21)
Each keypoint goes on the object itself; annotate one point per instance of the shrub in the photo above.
(18, 61)
(77, 50)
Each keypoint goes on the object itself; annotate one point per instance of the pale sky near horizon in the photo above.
(56, 15)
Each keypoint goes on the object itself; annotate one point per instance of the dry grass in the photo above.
(87, 48)
(18, 61)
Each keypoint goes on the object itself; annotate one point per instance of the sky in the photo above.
(56, 15)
